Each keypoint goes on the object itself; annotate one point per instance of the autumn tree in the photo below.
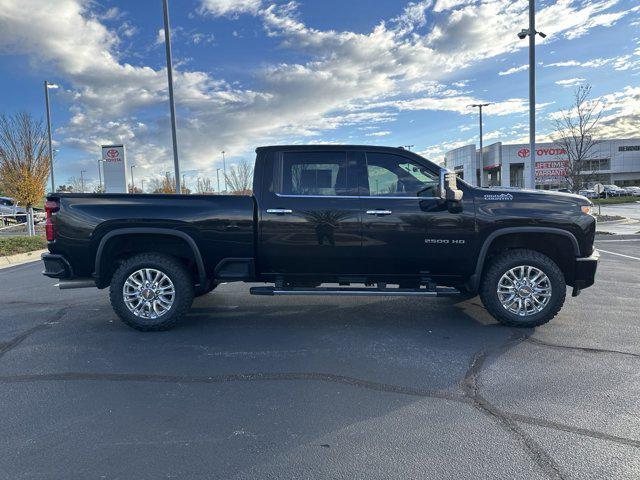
(24, 163)
(576, 130)
(240, 178)
(164, 184)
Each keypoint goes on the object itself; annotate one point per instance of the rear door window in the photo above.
(315, 173)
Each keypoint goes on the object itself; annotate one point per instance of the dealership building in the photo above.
(611, 162)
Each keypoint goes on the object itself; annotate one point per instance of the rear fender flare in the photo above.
(202, 275)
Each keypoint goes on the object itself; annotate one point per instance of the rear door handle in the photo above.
(379, 212)
(279, 211)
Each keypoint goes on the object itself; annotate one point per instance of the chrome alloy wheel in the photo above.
(148, 293)
(524, 290)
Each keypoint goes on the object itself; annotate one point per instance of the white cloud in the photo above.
(345, 78)
(513, 70)
(160, 37)
(443, 5)
(621, 118)
(593, 63)
(230, 7)
(382, 133)
(619, 63)
(570, 82)
(460, 104)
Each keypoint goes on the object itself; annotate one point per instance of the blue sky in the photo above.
(256, 72)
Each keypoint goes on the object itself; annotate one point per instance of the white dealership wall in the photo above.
(623, 156)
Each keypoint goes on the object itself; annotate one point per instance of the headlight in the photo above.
(588, 209)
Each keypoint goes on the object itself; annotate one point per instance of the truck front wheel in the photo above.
(523, 288)
(151, 291)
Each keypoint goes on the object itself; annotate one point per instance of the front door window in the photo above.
(396, 176)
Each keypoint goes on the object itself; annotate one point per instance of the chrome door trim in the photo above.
(379, 197)
(279, 211)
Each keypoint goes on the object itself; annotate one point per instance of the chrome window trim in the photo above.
(353, 196)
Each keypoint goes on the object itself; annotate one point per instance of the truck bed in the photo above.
(221, 225)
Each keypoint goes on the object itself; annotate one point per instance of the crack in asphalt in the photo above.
(235, 377)
(569, 429)
(17, 340)
(542, 343)
(471, 387)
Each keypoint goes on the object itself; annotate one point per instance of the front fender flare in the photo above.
(474, 280)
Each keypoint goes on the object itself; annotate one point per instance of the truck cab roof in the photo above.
(334, 147)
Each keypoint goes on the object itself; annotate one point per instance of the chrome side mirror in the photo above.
(448, 189)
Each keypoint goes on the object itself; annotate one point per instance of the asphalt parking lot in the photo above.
(353, 388)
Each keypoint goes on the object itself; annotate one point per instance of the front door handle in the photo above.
(279, 211)
(379, 212)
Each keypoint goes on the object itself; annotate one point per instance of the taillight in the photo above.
(50, 206)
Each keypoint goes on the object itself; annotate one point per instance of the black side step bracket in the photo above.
(361, 292)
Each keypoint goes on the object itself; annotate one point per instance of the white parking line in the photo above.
(619, 254)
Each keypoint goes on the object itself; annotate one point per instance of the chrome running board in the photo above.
(357, 292)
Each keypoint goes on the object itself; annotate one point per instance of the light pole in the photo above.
(133, 184)
(224, 171)
(172, 105)
(99, 175)
(47, 86)
(481, 166)
(530, 179)
(409, 147)
(82, 172)
(142, 186)
(218, 177)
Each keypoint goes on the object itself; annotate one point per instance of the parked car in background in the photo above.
(612, 191)
(587, 192)
(11, 211)
(631, 191)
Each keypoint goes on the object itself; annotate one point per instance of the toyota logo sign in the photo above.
(540, 152)
(113, 153)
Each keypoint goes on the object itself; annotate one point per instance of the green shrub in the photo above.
(14, 245)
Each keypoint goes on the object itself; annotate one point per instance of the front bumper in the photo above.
(56, 266)
(585, 272)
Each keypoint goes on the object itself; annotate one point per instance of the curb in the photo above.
(20, 258)
(613, 236)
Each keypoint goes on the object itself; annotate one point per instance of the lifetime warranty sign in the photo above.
(552, 171)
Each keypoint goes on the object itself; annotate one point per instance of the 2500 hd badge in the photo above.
(444, 241)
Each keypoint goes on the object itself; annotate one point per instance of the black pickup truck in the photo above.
(328, 220)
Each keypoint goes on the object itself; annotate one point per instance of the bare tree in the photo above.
(75, 184)
(64, 188)
(240, 178)
(575, 132)
(204, 186)
(24, 163)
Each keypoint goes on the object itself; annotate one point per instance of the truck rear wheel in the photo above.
(151, 291)
(523, 288)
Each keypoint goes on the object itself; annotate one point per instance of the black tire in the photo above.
(513, 258)
(172, 268)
